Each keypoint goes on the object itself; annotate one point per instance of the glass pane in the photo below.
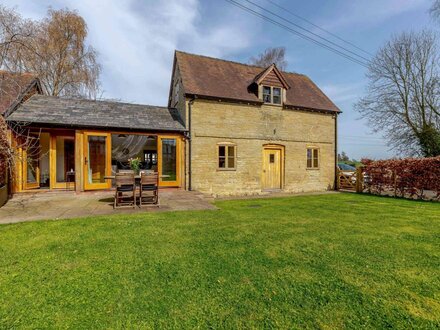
(221, 162)
(309, 163)
(221, 151)
(266, 94)
(276, 99)
(169, 160)
(231, 151)
(65, 158)
(97, 164)
(309, 154)
(276, 91)
(271, 158)
(33, 156)
(315, 162)
(126, 147)
(231, 162)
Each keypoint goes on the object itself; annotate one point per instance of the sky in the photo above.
(136, 40)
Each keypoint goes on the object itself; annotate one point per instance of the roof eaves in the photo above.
(220, 99)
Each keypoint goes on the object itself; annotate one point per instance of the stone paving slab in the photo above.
(53, 205)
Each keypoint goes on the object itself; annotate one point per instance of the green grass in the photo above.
(329, 261)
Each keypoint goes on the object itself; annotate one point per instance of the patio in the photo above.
(53, 205)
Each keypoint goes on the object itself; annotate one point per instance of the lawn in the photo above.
(329, 261)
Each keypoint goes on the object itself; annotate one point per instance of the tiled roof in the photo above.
(12, 87)
(211, 77)
(64, 112)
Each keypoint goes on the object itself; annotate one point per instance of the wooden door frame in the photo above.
(53, 161)
(27, 185)
(281, 148)
(108, 160)
(178, 160)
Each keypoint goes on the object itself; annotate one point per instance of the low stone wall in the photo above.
(3, 195)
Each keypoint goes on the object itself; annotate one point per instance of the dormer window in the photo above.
(271, 95)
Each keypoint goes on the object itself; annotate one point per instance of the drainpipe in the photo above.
(336, 152)
(190, 103)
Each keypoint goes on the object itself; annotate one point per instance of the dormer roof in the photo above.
(271, 76)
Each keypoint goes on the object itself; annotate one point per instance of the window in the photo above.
(312, 158)
(276, 95)
(267, 94)
(271, 95)
(226, 157)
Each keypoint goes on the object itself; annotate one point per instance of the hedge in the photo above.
(409, 177)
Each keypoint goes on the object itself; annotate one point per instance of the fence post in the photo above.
(359, 180)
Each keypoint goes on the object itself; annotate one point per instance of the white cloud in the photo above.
(136, 40)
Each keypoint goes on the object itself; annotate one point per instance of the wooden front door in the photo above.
(272, 176)
(97, 160)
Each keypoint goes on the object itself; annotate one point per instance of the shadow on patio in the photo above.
(64, 204)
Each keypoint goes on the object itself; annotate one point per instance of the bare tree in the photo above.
(270, 56)
(435, 10)
(403, 95)
(56, 52)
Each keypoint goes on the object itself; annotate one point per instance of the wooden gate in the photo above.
(351, 180)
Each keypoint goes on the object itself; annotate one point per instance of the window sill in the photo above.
(312, 168)
(273, 104)
(226, 169)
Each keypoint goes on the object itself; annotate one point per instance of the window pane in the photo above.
(271, 158)
(266, 94)
(309, 153)
(221, 151)
(221, 162)
(276, 99)
(231, 162)
(169, 159)
(315, 157)
(97, 165)
(231, 151)
(309, 163)
(276, 91)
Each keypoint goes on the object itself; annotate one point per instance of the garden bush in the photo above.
(409, 177)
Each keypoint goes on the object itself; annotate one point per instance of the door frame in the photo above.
(162, 183)
(281, 148)
(85, 160)
(53, 162)
(34, 185)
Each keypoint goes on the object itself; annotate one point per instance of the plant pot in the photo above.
(3, 195)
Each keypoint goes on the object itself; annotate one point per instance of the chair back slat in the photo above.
(122, 179)
(149, 178)
(126, 172)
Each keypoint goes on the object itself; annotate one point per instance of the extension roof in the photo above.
(208, 77)
(64, 112)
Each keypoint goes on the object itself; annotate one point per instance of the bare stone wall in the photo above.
(251, 127)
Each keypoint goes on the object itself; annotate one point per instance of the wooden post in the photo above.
(359, 180)
(338, 179)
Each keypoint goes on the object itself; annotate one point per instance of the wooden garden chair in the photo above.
(125, 194)
(149, 189)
